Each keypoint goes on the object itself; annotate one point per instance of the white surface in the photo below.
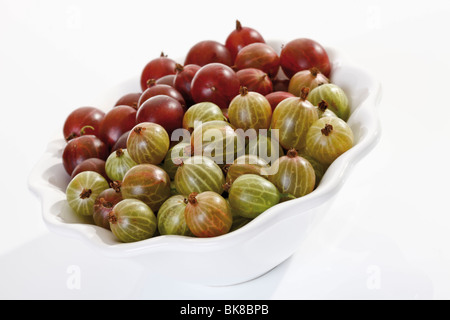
(389, 232)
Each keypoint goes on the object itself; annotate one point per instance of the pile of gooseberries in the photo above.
(208, 145)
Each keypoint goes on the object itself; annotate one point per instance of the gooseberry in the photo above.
(83, 190)
(208, 51)
(216, 83)
(130, 99)
(199, 174)
(168, 79)
(183, 80)
(293, 175)
(304, 54)
(163, 110)
(334, 96)
(241, 37)
(116, 122)
(255, 80)
(156, 69)
(118, 164)
(83, 121)
(103, 205)
(202, 112)
(148, 183)
(208, 214)
(160, 89)
(276, 97)
(265, 146)
(82, 148)
(148, 143)
(219, 141)
(311, 79)
(250, 110)
(250, 195)
(328, 138)
(121, 143)
(171, 218)
(247, 164)
(132, 220)
(260, 56)
(323, 110)
(292, 119)
(175, 156)
(91, 164)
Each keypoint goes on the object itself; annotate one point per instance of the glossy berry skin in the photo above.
(260, 56)
(118, 164)
(121, 143)
(294, 175)
(199, 174)
(132, 220)
(311, 79)
(328, 138)
(217, 140)
(304, 54)
(148, 183)
(247, 164)
(334, 96)
(116, 122)
(148, 143)
(130, 99)
(175, 156)
(250, 110)
(183, 80)
(171, 218)
(208, 51)
(291, 121)
(202, 112)
(103, 205)
(216, 83)
(157, 68)
(208, 215)
(84, 117)
(275, 98)
(163, 110)
(92, 164)
(265, 147)
(83, 190)
(250, 195)
(168, 80)
(82, 148)
(241, 37)
(161, 89)
(255, 80)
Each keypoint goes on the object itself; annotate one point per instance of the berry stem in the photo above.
(304, 93)
(238, 25)
(327, 130)
(151, 83)
(119, 153)
(192, 198)
(179, 68)
(292, 153)
(314, 71)
(243, 91)
(116, 185)
(86, 194)
(323, 105)
(83, 130)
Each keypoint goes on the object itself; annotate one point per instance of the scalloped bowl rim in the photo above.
(332, 181)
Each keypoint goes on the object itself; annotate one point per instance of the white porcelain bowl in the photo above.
(241, 255)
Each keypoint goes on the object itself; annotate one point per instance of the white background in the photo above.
(389, 232)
